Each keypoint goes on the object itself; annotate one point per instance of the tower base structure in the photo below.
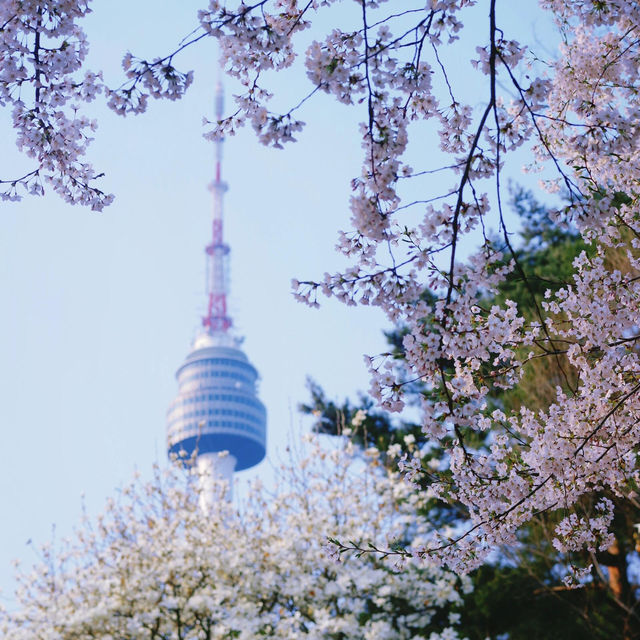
(214, 468)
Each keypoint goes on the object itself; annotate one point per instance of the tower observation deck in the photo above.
(217, 408)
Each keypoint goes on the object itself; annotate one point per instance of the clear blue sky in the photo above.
(98, 310)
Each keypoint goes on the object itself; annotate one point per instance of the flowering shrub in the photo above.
(156, 566)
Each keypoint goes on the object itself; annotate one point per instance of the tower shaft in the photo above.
(217, 419)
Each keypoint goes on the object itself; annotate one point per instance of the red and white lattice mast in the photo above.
(217, 319)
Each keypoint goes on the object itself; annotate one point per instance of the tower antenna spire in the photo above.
(217, 319)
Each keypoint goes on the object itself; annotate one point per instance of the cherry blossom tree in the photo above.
(155, 566)
(518, 592)
(576, 113)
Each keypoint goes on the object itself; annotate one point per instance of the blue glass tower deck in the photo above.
(217, 407)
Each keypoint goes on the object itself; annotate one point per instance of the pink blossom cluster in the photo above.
(44, 83)
(156, 79)
(42, 50)
(253, 40)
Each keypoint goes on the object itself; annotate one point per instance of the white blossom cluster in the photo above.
(155, 566)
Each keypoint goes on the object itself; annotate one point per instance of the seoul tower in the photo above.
(217, 408)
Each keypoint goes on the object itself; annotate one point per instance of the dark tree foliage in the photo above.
(375, 430)
(519, 596)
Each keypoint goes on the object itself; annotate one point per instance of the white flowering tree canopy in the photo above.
(577, 115)
(155, 566)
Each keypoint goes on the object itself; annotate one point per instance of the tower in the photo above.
(217, 408)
